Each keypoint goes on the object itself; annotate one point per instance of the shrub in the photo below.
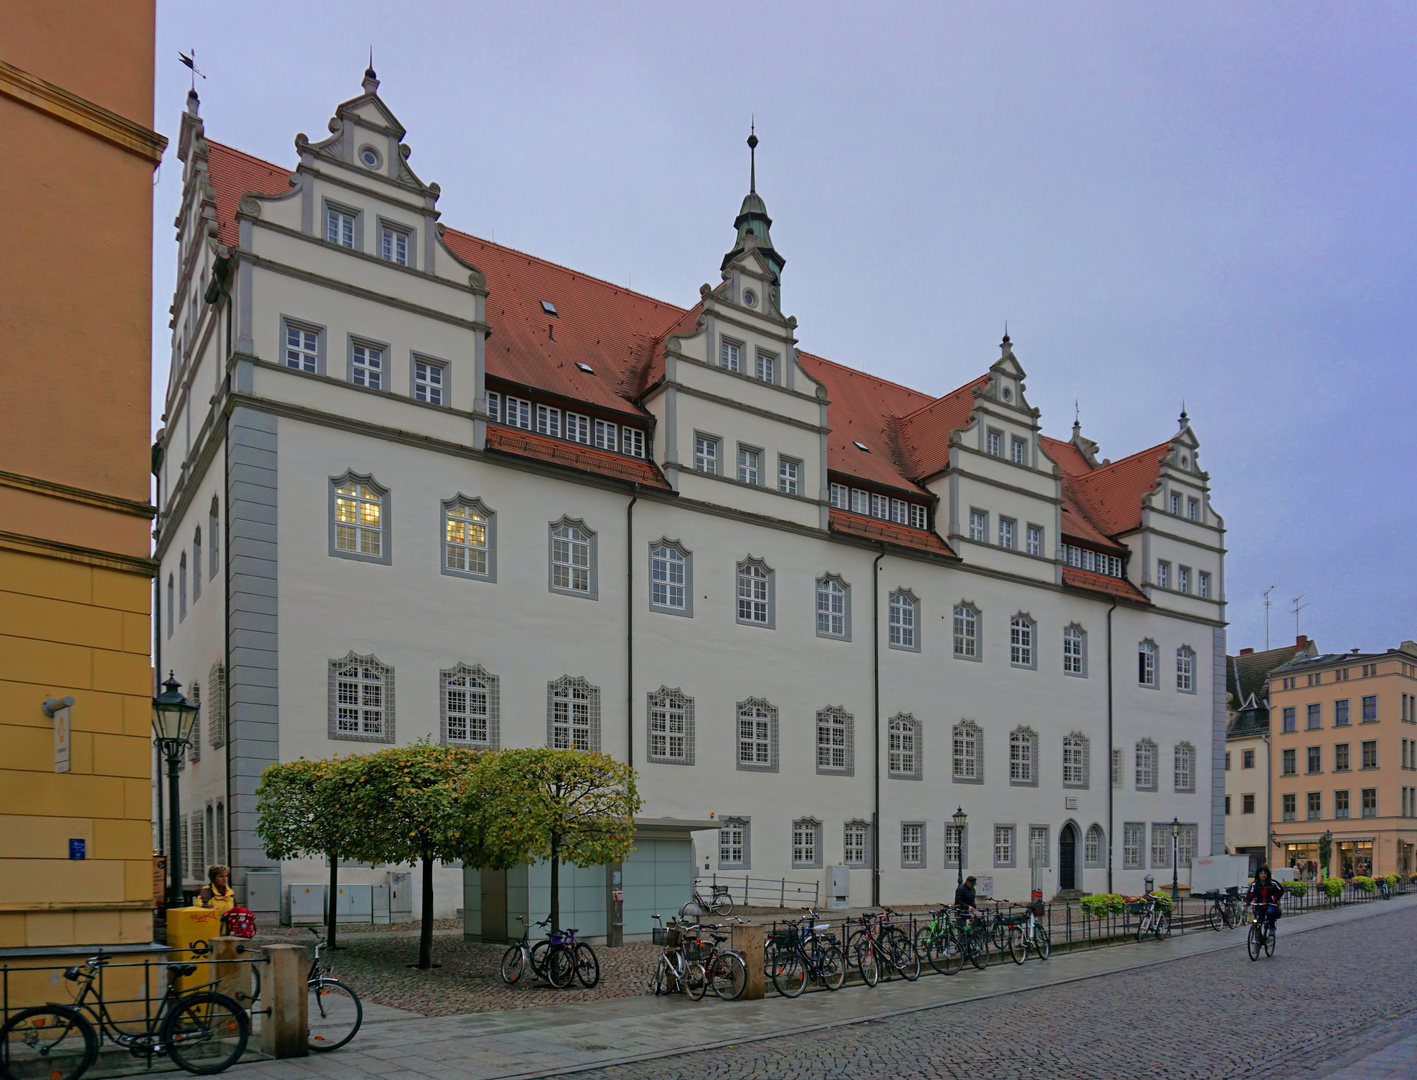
(1295, 888)
(1333, 887)
(1367, 884)
(1163, 900)
(1101, 905)
(1392, 880)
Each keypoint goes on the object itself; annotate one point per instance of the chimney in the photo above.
(1247, 652)
(1301, 643)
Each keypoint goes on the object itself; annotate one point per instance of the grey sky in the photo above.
(1208, 202)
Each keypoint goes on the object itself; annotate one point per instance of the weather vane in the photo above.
(191, 62)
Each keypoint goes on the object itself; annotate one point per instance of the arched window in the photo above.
(966, 631)
(469, 539)
(905, 755)
(755, 593)
(1074, 650)
(757, 735)
(214, 536)
(1075, 760)
(904, 621)
(361, 699)
(671, 727)
(1146, 765)
(835, 753)
(1186, 670)
(573, 568)
(1185, 767)
(1092, 847)
(1146, 664)
(806, 843)
(1023, 756)
(833, 608)
(197, 566)
(968, 753)
(471, 706)
(358, 521)
(671, 587)
(182, 586)
(573, 714)
(733, 844)
(1021, 652)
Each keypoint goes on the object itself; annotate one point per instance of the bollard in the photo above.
(232, 979)
(285, 1030)
(748, 940)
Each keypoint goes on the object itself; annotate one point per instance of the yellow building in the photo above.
(76, 102)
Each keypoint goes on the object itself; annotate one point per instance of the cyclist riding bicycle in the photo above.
(1265, 893)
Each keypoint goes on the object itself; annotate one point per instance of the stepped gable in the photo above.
(925, 433)
(235, 174)
(1113, 493)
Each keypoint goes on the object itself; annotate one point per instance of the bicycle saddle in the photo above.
(720, 937)
(570, 930)
(181, 970)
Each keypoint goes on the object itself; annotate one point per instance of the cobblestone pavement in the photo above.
(1218, 1015)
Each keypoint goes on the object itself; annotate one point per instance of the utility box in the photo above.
(400, 897)
(838, 888)
(190, 931)
(380, 896)
(307, 904)
(354, 903)
(263, 893)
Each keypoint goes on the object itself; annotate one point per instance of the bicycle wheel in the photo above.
(948, 953)
(999, 933)
(1162, 926)
(789, 975)
(1252, 943)
(206, 1033)
(696, 981)
(1042, 942)
(831, 966)
(723, 904)
(587, 965)
(50, 1042)
(538, 954)
(979, 957)
(335, 1014)
(1018, 945)
(513, 964)
(903, 956)
(729, 976)
(1269, 941)
(862, 953)
(1143, 925)
(663, 981)
(560, 967)
(1215, 918)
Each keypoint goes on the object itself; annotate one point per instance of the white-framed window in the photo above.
(1117, 767)
(1075, 760)
(429, 381)
(707, 454)
(182, 587)
(1163, 574)
(733, 844)
(1203, 584)
(757, 735)
(833, 608)
(750, 466)
(214, 537)
(216, 705)
(494, 405)
(357, 518)
(966, 632)
(393, 244)
(860, 501)
(366, 365)
(904, 621)
(900, 511)
(467, 538)
(361, 699)
(1096, 561)
(919, 517)
(1023, 756)
(518, 413)
(1161, 845)
(1133, 837)
(1183, 579)
(548, 421)
(806, 843)
(956, 844)
(1038, 845)
(1146, 664)
(1003, 845)
(671, 727)
(1186, 670)
(789, 476)
(979, 526)
(670, 588)
(730, 355)
(994, 443)
(1146, 765)
(912, 845)
(1193, 509)
(840, 496)
(471, 706)
(339, 226)
(632, 441)
(1018, 450)
(856, 843)
(880, 507)
(755, 593)
(578, 428)
(1021, 652)
(1185, 767)
(573, 715)
(1176, 503)
(1008, 531)
(302, 348)
(607, 435)
(1074, 650)
(171, 604)
(1033, 542)
(904, 756)
(573, 558)
(1092, 847)
(968, 752)
(767, 367)
(835, 738)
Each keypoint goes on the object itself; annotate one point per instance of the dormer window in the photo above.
(585, 367)
(862, 447)
(550, 309)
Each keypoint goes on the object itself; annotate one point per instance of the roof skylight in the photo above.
(550, 309)
(862, 447)
(585, 367)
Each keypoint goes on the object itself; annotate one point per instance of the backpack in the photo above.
(240, 922)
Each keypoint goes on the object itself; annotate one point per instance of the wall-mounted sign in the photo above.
(61, 743)
(1070, 802)
(77, 848)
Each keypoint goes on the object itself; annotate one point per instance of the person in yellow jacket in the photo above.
(217, 894)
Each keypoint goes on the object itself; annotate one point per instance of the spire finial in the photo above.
(1077, 415)
(753, 155)
(369, 71)
(1006, 333)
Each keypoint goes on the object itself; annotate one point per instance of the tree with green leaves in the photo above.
(301, 812)
(559, 805)
(405, 805)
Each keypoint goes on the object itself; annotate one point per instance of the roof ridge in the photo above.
(970, 385)
(1128, 458)
(867, 374)
(248, 157)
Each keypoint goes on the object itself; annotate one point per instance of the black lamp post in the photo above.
(961, 819)
(173, 718)
(1175, 858)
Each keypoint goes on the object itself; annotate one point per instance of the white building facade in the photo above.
(416, 485)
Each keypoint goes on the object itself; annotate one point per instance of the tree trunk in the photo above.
(425, 937)
(555, 885)
(330, 900)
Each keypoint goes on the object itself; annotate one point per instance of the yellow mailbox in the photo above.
(190, 931)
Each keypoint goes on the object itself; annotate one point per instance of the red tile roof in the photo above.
(572, 455)
(925, 433)
(1113, 493)
(1101, 583)
(234, 174)
(888, 531)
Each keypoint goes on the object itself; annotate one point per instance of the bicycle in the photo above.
(202, 1031)
(1028, 933)
(936, 941)
(711, 968)
(879, 943)
(671, 972)
(721, 902)
(1154, 918)
(1226, 910)
(548, 959)
(335, 1009)
(974, 936)
(1262, 933)
(810, 953)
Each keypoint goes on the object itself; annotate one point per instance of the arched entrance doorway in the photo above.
(1068, 857)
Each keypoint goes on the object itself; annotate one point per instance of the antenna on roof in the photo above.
(191, 62)
(1268, 603)
(1298, 607)
(753, 154)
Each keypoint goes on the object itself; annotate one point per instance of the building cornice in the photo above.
(729, 403)
(81, 113)
(56, 549)
(53, 490)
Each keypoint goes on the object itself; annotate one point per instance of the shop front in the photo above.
(1303, 859)
(1355, 857)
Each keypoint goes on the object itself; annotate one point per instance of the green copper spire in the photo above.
(753, 218)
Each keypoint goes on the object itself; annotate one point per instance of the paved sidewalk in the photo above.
(1395, 1061)
(554, 1040)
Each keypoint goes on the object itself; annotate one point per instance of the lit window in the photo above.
(393, 245)
(366, 366)
(466, 538)
(359, 518)
(903, 622)
(789, 476)
(339, 227)
(749, 466)
(607, 435)
(570, 558)
(966, 632)
(302, 349)
(428, 381)
(831, 608)
(730, 355)
(706, 454)
(767, 368)
(754, 601)
(548, 421)
(667, 577)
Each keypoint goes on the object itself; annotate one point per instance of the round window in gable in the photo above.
(1185, 462)
(750, 298)
(1008, 394)
(369, 157)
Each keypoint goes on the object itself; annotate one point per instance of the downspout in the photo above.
(1111, 754)
(226, 618)
(876, 725)
(630, 625)
(157, 650)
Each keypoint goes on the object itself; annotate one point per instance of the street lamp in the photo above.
(173, 718)
(1175, 858)
(961, 819)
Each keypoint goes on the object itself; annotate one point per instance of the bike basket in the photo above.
(240, 923)
(697, 950)
(657, 934)
(1138, 908)
(1036, 907)
(784, 940)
